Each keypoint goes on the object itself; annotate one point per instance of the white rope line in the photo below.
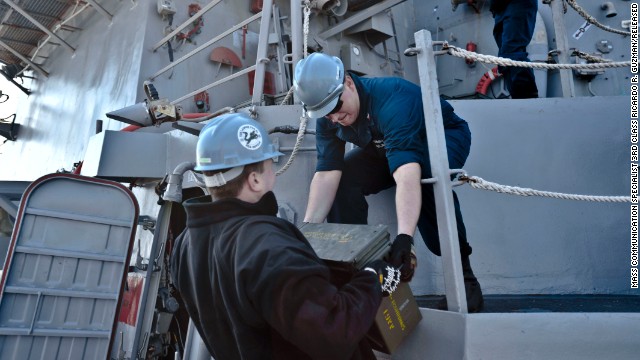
(303, 119)
(305, 27)
(479, 183)
(287, 97)
(461, 53)
(305, 40)
(592, 20)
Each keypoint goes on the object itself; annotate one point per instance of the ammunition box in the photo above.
(348, 248)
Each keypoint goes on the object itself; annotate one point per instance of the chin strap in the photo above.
(221, 178)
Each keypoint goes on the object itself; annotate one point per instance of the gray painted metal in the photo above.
(562, 45)
(283, 78)
(521, 245)
(205, 45)
(447, 230)
(261, 56)
(448, 335)
(529, 245)
(68, 259)
(296, 36)
(127, 156)
(359, 17)
(151, 284)
(188, 22)
(219, 82)
(194, 348)
(111, 155)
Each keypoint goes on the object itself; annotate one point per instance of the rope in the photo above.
(592, 20)
(588, 57)
(461, 53)
(305, 30)
(479, 183)
(287, 97)
(305, 27)
(303, 118)
(294, 152)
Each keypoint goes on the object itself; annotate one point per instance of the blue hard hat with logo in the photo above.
(232, 141)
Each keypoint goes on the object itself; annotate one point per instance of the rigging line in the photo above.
(479, 183)
(593, 20)
(304, 118)
(461, 53)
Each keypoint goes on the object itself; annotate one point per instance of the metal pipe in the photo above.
(149, 291)
(261, 52)
(185, 24)
(296, 36)
(230, 77)
(205, 45)
(282, 72)
(174, 182)
(36, 23)
(224, 110)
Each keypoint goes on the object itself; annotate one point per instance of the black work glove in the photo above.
(403, 256)
(388, 276)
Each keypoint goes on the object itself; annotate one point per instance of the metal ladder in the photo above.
(261, 59)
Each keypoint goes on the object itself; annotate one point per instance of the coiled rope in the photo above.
(479, 183)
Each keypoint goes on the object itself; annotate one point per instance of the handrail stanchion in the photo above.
(448, 232)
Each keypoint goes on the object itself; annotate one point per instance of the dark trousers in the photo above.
(513, 30)
(367, 172)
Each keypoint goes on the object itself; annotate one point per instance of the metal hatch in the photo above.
(65, 269)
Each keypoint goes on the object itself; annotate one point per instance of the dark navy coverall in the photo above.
(514, 24)
(389, 132)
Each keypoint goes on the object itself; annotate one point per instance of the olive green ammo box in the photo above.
(348, 248)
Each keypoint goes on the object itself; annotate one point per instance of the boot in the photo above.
(475, 301)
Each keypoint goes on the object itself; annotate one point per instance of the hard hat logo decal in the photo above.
(250, 137)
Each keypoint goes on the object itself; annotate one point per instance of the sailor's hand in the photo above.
(403, 256)
(388, 276)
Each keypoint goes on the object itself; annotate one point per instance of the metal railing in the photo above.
(261, 58)
(442, 186)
